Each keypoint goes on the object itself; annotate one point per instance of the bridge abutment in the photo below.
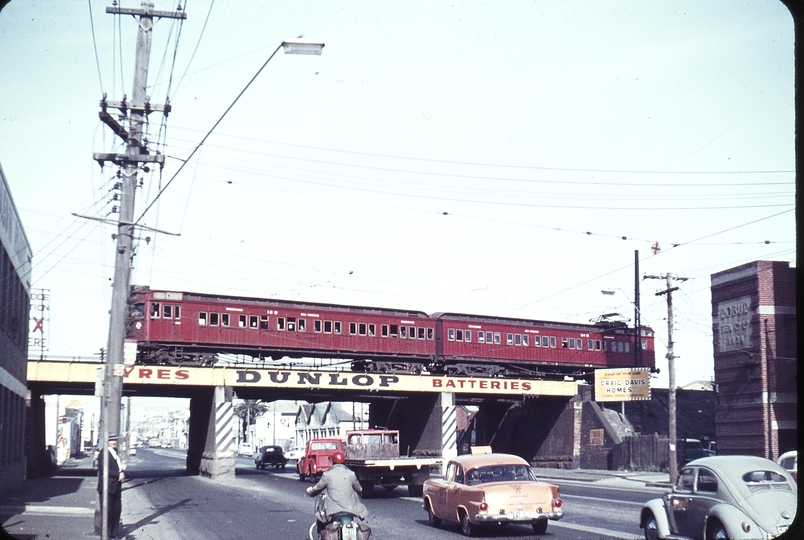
(212, 433)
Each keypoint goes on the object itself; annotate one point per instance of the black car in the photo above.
(270, 455)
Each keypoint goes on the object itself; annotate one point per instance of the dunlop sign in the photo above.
(299, 379)
(622, 384)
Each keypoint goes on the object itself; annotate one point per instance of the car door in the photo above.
(455, 492)
(703, 498)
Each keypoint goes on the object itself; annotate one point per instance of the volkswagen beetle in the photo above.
(491, 489)
(722, 498)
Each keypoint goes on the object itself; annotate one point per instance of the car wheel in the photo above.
(539, 526)
(716, 531)
(302, 476)
(467, 527)
(434, 520)
(651, 527)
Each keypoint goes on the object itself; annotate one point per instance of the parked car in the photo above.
(245, 449)
(689, 449)
(724, 497)
(491, 489)
(317, 457)
(132, 451)
(789, 462)
(270, 455)
(294, 454)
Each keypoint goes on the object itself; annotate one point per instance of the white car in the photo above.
(295, 454)
(246, 449)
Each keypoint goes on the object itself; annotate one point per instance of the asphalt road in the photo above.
(161, 502)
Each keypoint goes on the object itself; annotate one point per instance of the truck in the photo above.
(373, 455)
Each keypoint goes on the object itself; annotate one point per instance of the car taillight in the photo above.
(557, 503)
(483, 507)
(746, 526)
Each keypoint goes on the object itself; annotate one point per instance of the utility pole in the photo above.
(136, 153)
(671, 369)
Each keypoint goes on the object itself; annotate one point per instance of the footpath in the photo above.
(62, 506)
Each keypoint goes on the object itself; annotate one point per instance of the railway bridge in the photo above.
(526, 417)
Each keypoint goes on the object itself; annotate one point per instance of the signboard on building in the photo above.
(622, 384)
(733, 323)
(40, 321)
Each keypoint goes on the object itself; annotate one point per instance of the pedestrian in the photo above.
(114, 481)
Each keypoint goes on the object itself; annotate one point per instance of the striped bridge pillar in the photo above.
(219, 454)
(449, 428)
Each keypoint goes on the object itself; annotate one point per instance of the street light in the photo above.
(302, 46)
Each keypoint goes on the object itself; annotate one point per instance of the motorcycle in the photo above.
(342, 526)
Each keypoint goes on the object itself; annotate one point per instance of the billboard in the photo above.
(622, 384)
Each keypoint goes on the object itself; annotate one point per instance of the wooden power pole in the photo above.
(136, 154)
(671, 370)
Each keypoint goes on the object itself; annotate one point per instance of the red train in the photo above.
(192, 329)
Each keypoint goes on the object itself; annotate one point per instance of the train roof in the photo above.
(287, 303)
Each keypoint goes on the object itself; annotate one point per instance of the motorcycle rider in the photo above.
(342, 493)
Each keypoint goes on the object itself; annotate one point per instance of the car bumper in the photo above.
(518, 516)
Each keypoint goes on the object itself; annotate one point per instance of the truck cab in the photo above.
(317, 457)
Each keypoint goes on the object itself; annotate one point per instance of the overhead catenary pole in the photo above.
(136, 153)
(671, 371)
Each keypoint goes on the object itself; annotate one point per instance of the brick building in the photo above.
(754, 334)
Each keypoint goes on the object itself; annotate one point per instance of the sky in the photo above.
(499, 158)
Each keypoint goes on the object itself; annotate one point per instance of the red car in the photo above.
(317, 457)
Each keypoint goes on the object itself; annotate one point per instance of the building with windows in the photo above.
(15, 290)
(755, 352)
(329, 419)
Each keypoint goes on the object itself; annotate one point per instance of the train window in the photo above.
(384, 330)
(537, 341)
(489, 339)
(627, 346)
(317, 325)
(372, 330)
(553, 342)
(361, 329)
(224, 319)
(451, 334)
(480, 337)
(509, 339)
(412, 332)
(394, 331)
(590, 344)
(598, 346)
(525, 340)
(302, 325)
(291, 324)
(644, 344)
(429, 333)
(468, 336)
(327, 327)
(545, 341)
(263, 322)
(167, 311)
(604, 346)
(421, 332)
(517, 339)
(572, 343)
(497, 338)
(336, 327)
(155, 310)
(252, 321)
(177, 312)
(242, 321)
(619, 346)
(280, 323)
(564, 343)
(458, 335)
(352, 328)
(579, 344)
(403, 332)
(202, 318)
(213, 319)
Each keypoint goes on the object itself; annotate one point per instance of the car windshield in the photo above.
(499, 473)
(324, 446)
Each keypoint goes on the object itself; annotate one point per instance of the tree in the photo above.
(248, 411)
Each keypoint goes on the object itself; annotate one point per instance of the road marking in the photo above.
(600, 500)
(49, 510)
(596, 530)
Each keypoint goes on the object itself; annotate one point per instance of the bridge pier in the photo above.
(418, 420)
(449, 427)
(212, 433)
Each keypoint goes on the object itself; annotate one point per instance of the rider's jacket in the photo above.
(342, 489)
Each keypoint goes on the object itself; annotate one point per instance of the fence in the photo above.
(642, 453)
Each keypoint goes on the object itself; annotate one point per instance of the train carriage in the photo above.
(191, 329)
(468, 344)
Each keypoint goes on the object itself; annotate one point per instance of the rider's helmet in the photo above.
(338, 457)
